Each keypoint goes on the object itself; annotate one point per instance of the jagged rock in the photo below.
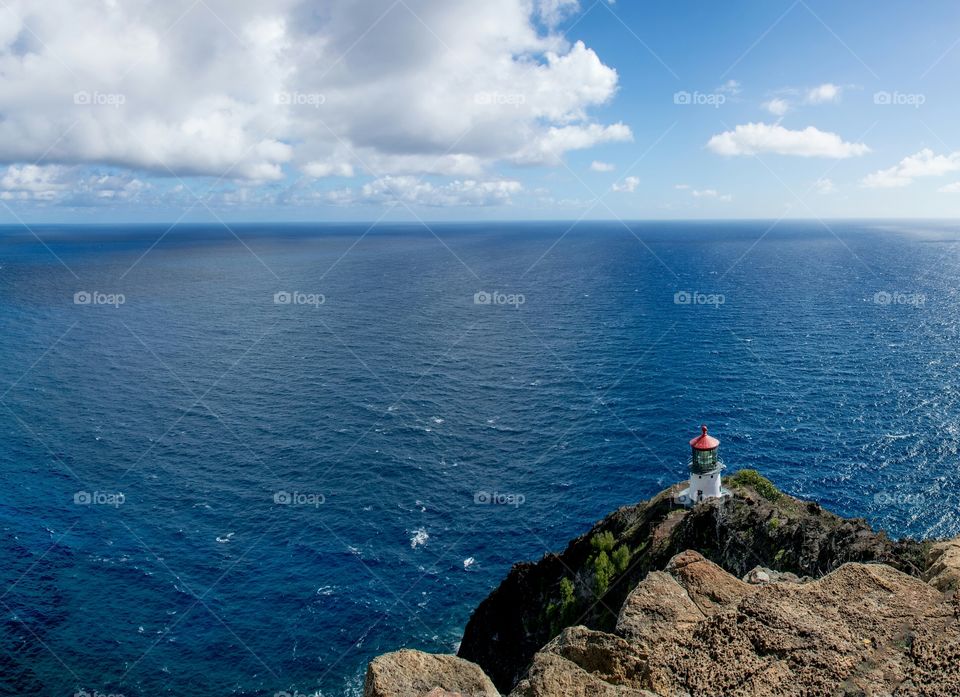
(708, 586)
(689, 590)
(655, 607)
(585, 663)
(864, 629)
(760, 575)
(943, 571)
(409, 673)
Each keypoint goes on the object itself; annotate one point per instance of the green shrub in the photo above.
(603, 542)
(566, 592)
(603, 572)
(621, 558)
(560, 613)
(757, 482)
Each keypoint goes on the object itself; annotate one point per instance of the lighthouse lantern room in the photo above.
(705, 467)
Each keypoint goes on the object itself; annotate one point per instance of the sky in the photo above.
(407, 110)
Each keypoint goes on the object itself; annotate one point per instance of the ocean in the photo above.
(244, 461)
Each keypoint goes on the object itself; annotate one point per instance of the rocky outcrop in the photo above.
(416, 674)
(588, 582)
(857, 630)
(825, 606)
(585, 663)
(943, 571)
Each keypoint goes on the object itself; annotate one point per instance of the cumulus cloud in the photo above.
(953, 188)
(552, 12)
(628, 185)
(925, 163)
(68, 185)
(777, 106)
(597, 166)
(245, 90)
(756, 138)
(549, 147)
(827, 92)
(414, 191)
(824, 185)
(711, 194)
(328, 169)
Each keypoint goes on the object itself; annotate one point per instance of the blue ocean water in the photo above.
(208, 490)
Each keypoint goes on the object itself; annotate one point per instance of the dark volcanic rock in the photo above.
(588, 583)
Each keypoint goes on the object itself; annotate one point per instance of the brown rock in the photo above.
(409, 673)
(760, 575)
(709, 587)
(862, 629)
(585, 663)
(655, 607)
(943, 565)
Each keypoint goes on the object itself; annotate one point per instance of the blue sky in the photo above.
(450, 110)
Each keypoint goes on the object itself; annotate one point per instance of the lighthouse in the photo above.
(705, 466)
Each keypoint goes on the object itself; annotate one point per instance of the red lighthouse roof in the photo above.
(703, 441)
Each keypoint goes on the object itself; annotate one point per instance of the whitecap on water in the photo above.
(225, 539)
(437, 420)
(419, 538)
(468, 562)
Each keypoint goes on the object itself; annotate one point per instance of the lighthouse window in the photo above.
(705, 457)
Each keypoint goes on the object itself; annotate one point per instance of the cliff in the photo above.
(650, 601)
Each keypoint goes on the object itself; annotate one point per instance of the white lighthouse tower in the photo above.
(705, 466)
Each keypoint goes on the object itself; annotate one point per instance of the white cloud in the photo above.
(953, 188)
(412, 190)
(923, 164)
(827, 92)
(756, 138)
(730, 87)
(711, 194)
(67, 185)
(549, 147)
(681, 187)
(244, 90)
(628, 185)
(328, 169)
(777, 106)
(824, 185)
(597, 166)
(552, 12)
